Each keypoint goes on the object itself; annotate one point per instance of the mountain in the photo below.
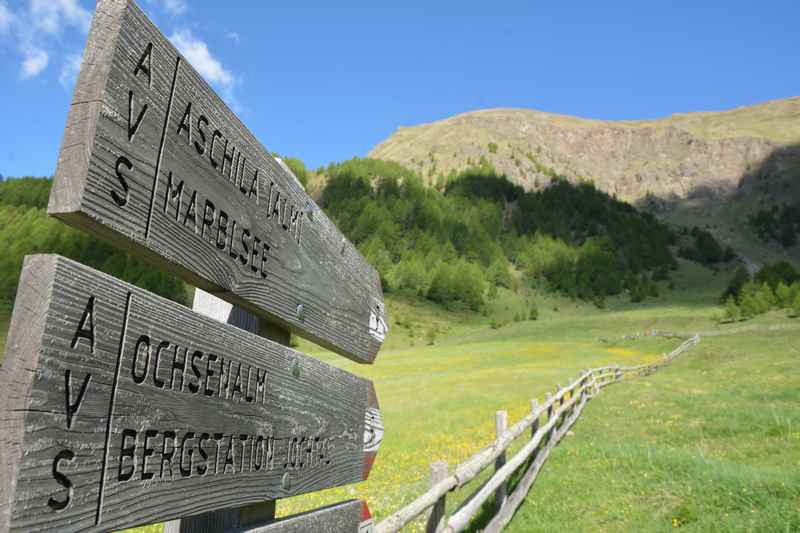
(669, 157)
(679, 166)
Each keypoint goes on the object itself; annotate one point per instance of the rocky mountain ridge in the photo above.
(670, 159)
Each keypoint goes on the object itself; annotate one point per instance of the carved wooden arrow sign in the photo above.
(153, 160)
(122, 408)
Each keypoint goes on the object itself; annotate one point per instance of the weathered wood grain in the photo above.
(435, 521)
(540, 456)
(123, 408)
(154, 161)
(500, 427)
(352, 516)
(215, 521)
(461, 518)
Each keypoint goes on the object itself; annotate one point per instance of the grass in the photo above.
(711, 443)
(677, 445)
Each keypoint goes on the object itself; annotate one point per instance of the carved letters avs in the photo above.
(154, 160)
(138, 401)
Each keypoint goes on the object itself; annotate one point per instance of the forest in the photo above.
(778, 223)
(456, 246)
(25, 229)
(775, 286)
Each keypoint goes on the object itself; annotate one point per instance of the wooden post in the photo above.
(560, 401)
(583, 383)
(436, 518)
(500, 426)
(258, 513)
(549, 396)
(535, 427)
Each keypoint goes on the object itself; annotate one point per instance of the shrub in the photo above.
(732, 311)
(782, 271)
(754, 300)
(796, 306)
(492, 148)
(784, 295)
(534, 312)
(430, 336)
(737, 282)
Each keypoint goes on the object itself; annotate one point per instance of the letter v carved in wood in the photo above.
(72, 407)
(134, 127)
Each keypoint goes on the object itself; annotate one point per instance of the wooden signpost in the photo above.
(120, 408)
(154, 161)
(124, 408)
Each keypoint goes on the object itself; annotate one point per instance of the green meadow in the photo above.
(711, 443)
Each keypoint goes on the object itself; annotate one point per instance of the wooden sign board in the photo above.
(352, 516)
(154, 161)
(122, 408)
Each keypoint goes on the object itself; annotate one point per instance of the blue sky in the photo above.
(325, 81)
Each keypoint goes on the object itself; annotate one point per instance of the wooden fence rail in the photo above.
(549, 422)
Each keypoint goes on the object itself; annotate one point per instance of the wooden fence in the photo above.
(547, 423)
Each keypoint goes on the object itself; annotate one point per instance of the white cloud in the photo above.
(69, 70)
(6, 18)
(34, 62)
(175, 7)
(197, 53)
(51, 16)
(37, 29)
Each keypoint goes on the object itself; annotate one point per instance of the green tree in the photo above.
(298, 168)
(411, 276)
(498, 273)
(732, 311)
(783, 295)
(753, 300)
(782, 271)
(492, 292)
(796, 306)
(768, 295)
(740, 277)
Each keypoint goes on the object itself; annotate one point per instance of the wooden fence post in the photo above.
(548, 396)
(535, 428)
(436, 518)
(500, 426)
(584, 379)
(560, 400)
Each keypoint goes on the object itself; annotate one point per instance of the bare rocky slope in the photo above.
(671, 158)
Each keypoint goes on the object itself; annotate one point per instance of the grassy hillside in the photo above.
(776, 120)
(25, 228)
(475, 370)
(711, 443)
(528, 144)
(438, 402)
(445, 370)
(716, 166)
